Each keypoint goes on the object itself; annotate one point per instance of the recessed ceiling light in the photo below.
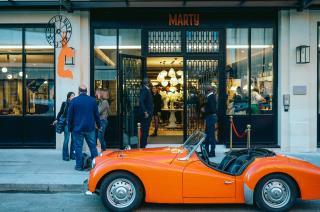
(9, 76)
(20, 74)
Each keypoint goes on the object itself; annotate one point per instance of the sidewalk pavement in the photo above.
(43, 170)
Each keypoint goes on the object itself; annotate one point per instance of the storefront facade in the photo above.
(231, 65)
(246, 53)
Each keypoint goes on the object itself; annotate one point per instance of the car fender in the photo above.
(304, 174)
(162, 182)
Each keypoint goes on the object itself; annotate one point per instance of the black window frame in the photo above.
(30, 131)
(24, 54)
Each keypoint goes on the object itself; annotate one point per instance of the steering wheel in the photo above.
(205, 155)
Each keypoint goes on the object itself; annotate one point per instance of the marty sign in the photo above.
(189, 19)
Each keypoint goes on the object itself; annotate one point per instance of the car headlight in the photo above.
(93, 164)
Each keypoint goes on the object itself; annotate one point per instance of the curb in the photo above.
(43, 188)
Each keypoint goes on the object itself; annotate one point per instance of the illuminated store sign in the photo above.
(191, 19)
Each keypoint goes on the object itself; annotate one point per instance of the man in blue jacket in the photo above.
(83, 117)
(146, 110)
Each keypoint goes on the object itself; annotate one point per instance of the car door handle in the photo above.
(228, 182)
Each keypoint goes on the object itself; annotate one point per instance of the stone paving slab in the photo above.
(38, 170)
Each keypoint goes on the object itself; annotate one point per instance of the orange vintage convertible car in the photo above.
(185, 174)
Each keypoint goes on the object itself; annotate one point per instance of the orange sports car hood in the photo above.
(161, 155)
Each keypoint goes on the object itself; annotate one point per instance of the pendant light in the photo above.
(4, 70)
(164, 83)
(171, 73)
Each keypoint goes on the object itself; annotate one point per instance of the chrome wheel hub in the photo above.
(121, 193)
(276, 193)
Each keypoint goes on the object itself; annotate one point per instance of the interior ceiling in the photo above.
(71, 5)
(157, 62)
(154, 67)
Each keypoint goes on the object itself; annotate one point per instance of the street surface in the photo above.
(25, 202)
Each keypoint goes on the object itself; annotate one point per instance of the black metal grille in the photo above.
(202, 41)
(164, 41)
(131, 90)
(199, 73)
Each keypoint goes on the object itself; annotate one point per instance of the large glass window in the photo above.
(130, 41)
(261, 70)
(237, 71)
(238, 68)
(105, 64)
(107, 43)
(39, 73)
(318, 48)
(35, 78)
(11, 71)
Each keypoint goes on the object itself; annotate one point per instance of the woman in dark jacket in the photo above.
(157, 103)
(63, 112)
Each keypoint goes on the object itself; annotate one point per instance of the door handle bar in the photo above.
(228, 182)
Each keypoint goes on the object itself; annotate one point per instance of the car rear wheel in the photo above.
(276, 192)
(121, 191)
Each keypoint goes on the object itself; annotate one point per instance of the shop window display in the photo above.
(39, 74)
(261, 70)
(237, 71)
(11, 71)
(261, 74)
(107, 43)
(105, 64)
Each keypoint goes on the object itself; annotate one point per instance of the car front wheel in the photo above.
(121, 191)
(276, 192)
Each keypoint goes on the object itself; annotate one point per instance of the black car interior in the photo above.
(235, 162)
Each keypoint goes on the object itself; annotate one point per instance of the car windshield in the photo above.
(194, 141)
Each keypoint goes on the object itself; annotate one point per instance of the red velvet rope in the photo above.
(237, 133)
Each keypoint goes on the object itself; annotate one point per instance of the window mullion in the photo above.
(249, 75)
(23, 73)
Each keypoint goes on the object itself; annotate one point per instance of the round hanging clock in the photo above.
(58, 31)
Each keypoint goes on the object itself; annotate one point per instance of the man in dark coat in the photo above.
(83, 117)
(146, 110)
(210, 111)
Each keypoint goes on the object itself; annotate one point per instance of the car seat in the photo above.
(238, 163)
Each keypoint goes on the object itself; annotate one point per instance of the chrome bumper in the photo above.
(85, 188)
(248, 195)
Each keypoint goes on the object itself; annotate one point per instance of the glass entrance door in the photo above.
(132, 70)
(199, 73)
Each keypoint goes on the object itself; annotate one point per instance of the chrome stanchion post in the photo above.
(139, 134)
(248, 136)
(231, 121)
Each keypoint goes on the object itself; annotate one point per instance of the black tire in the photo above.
(126, 180)
(271, 201)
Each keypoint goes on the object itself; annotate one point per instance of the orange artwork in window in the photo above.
(66, 51)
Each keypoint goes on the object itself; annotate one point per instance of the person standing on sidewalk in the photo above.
(63, 113)
(210, 111)
(157, 103)
(83, 116)
(146, 110)
(103, 108)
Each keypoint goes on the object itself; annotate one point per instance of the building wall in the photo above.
(80, 41)
(297, 127)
